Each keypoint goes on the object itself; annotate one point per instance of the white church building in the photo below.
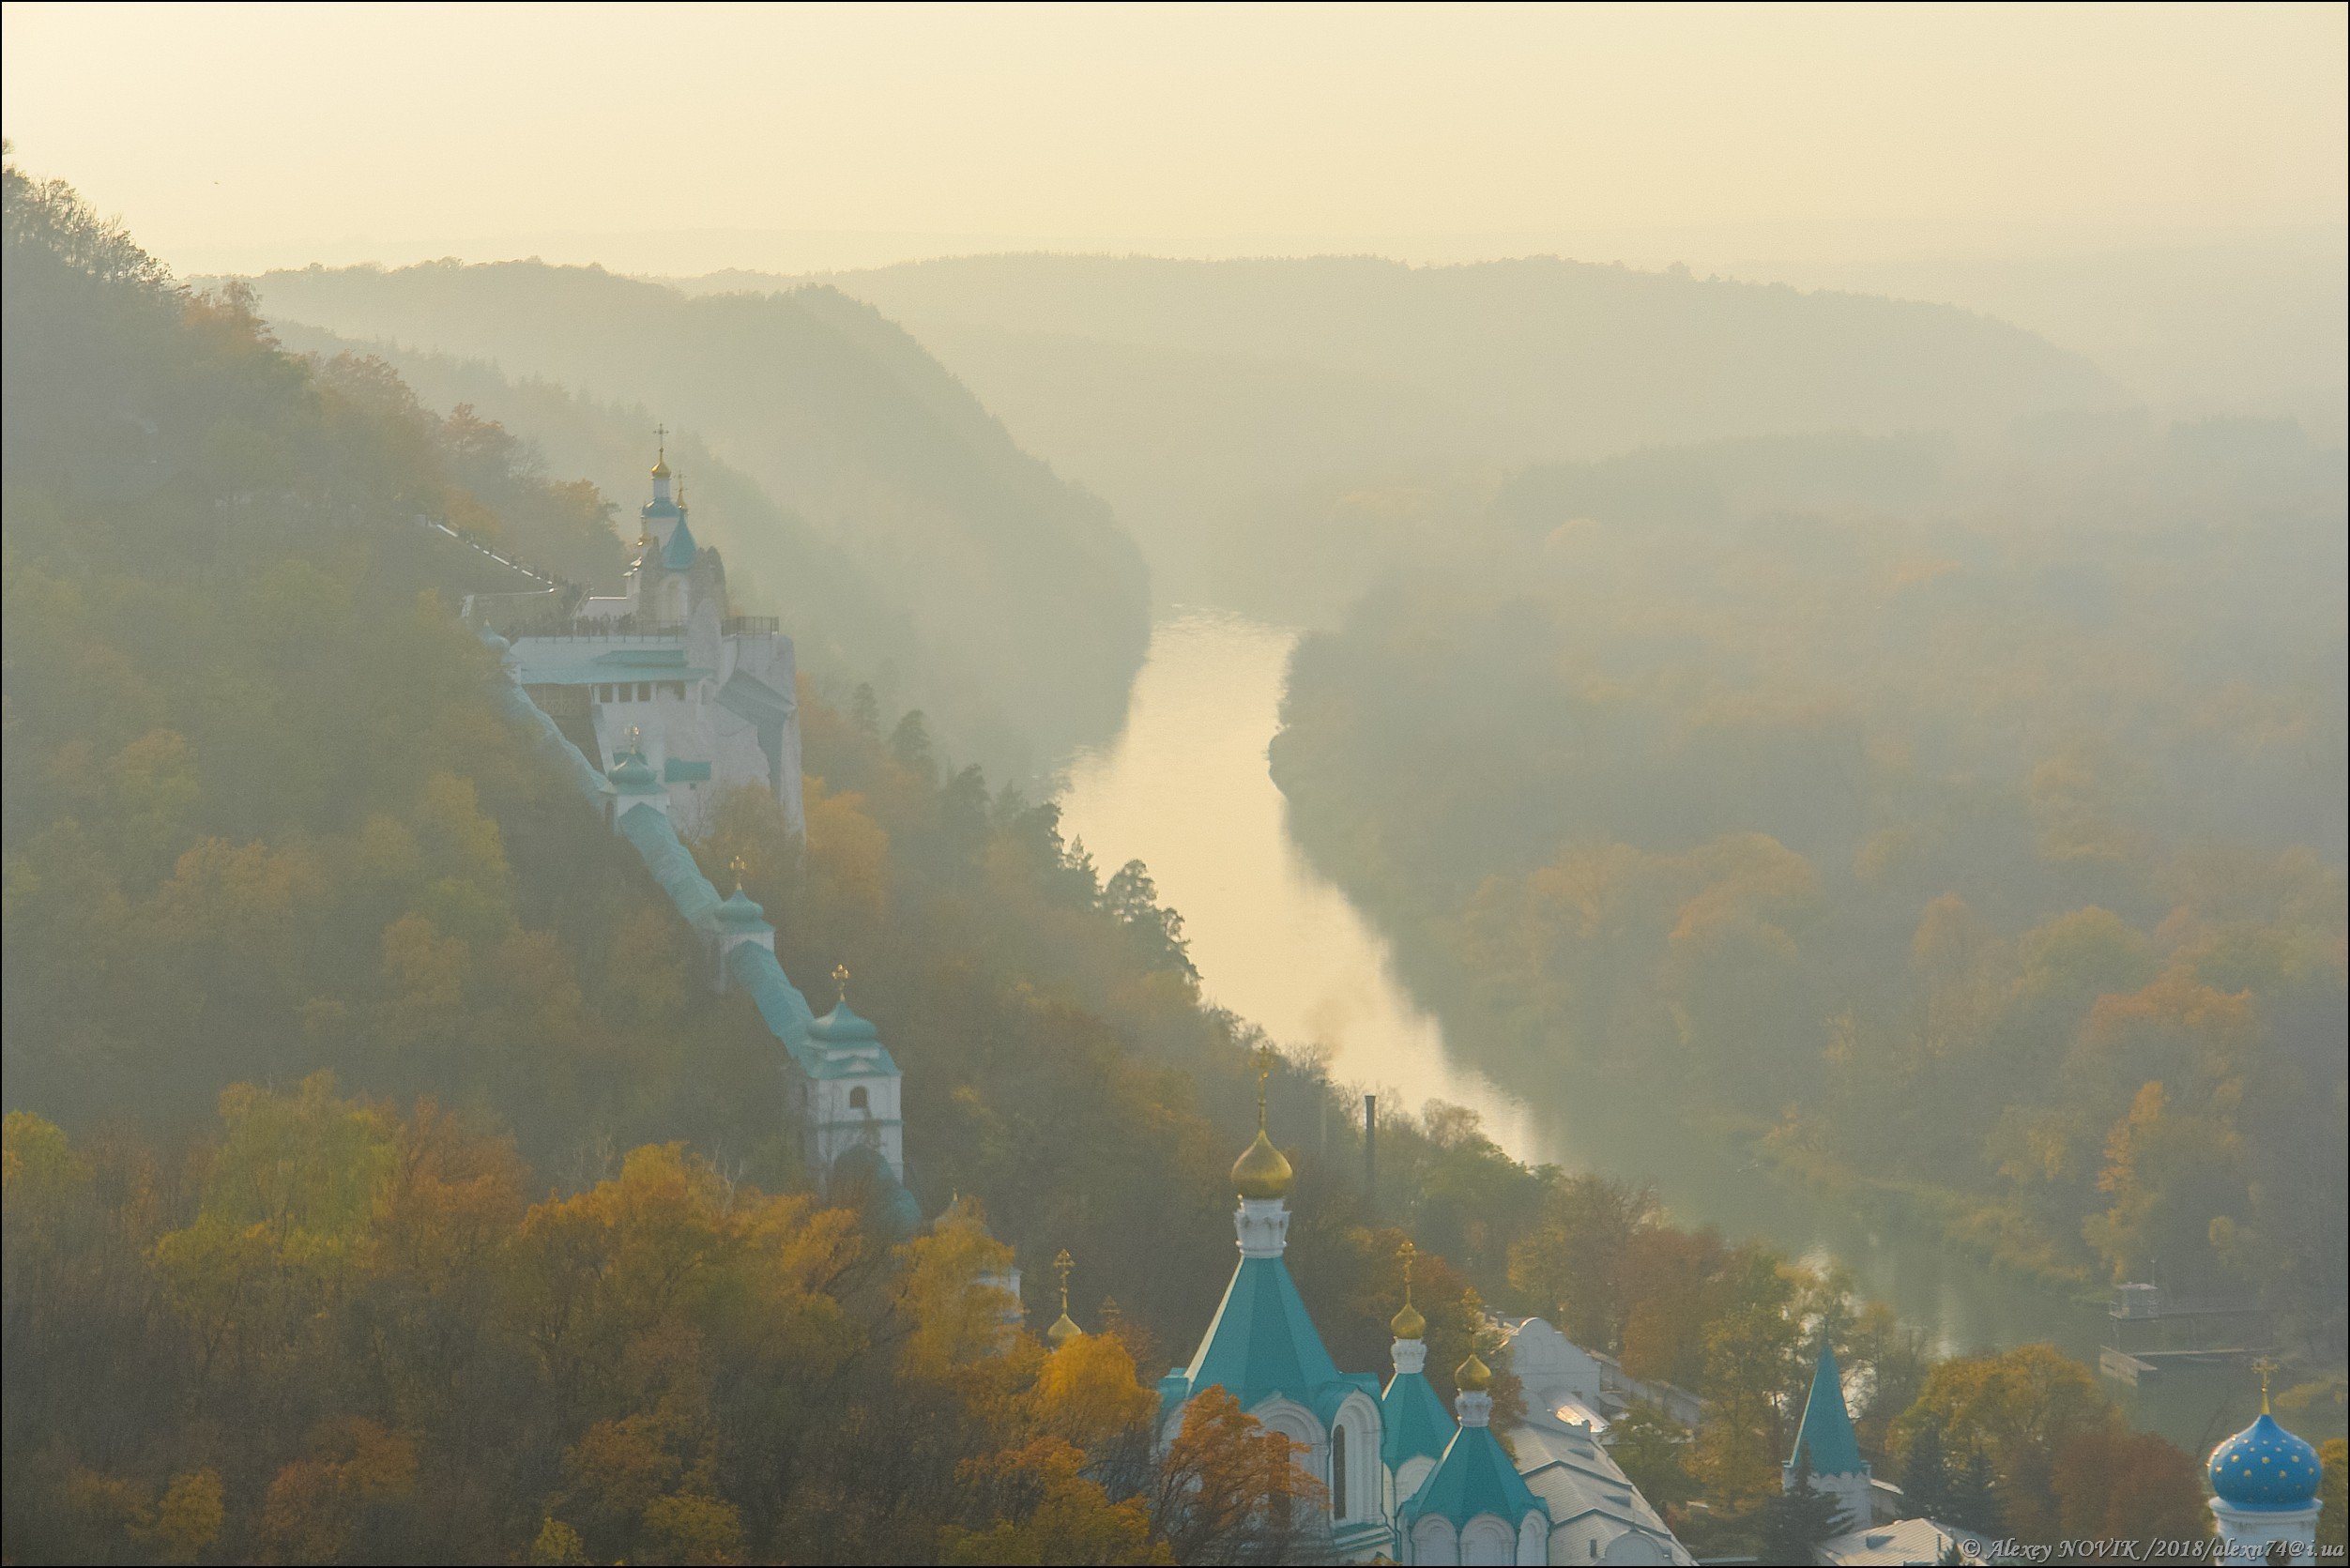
(708, 697)
(656, 703)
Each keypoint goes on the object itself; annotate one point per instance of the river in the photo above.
(1185, 788)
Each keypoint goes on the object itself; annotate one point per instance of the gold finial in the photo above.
(1262, 1171)
(2267, 1367)
(680, 492)
(636, 737)
(840, 981)
(661, 462)
(1408, 1324)
(737, 865)
(1064, 1327)
(1473, 1375)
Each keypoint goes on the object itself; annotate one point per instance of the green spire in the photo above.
(1826, 1433)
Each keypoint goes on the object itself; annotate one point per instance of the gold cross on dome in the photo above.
(661, 433)
(2267, 1367)
(636, 738)
(1061, 1265)
(737, 865)
(1407, 1252)
(840, 978)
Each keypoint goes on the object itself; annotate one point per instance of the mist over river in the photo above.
(1185, 788)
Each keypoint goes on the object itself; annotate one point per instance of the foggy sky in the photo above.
(686, 139)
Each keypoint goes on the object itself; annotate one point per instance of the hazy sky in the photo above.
(685, 137)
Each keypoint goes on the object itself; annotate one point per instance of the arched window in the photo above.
(1338, 1472)
(857, 1098)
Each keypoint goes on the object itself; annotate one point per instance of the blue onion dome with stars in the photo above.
(2265, 1468)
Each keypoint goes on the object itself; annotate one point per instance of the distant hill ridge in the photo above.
(1213, 400)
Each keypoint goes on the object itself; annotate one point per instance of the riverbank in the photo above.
(1186, 788)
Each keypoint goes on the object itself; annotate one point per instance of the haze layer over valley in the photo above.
(1268, 427)
(925, 510)
(1165, 785)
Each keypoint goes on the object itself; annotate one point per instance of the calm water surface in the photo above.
(1185, 789)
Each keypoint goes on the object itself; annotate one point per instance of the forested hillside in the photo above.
(1964, 826)
(269, 849)
(1267, 426)
(384, 1182)
(839, 417)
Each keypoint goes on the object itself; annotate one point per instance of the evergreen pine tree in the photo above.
(1926, 1476)
(1799, 1518)
(1973, 1499)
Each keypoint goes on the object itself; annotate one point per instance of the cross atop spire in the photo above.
(1264, 1076)
(2267, 1367)
(737, 865)
(840, 980)
(1064, 1327)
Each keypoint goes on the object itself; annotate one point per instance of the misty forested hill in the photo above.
(1964, 828)
(840, 418)
(1221, 405)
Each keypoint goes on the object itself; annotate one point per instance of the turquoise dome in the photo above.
(634, 775)
(842, 1027)
(2265, 1467)
(740, 910)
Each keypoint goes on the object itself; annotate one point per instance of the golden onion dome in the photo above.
(1473, 1375)
(660, 469)
(1062, 1332)
(1408, 1323)
(1262, 1171)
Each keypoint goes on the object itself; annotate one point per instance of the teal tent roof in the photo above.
(1262, 1343)
(1413, 1421)
(1473, 1477)
(679, 553)
(1826, 1431)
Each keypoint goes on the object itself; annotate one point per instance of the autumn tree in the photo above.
(1231, 1491)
